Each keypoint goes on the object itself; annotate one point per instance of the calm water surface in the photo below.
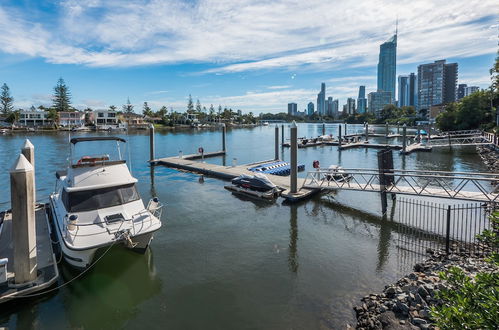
(220, 261)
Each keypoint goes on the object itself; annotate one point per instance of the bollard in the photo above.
(294, 157)
(339, 135)
(151, 142)
(323, 129)
(367, 132)
(23, 220)
(28, 150)
(224, 132)
(276, 142)
(404, 138)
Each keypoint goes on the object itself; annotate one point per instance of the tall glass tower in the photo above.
(387, 66)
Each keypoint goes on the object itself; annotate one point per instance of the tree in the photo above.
(112, 108)
(198, 106)
(62, 97)
(190, 105)
(13, 116)
(6, 101)
(146, 110)
(128, 107)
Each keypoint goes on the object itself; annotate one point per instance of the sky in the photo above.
(251, 55)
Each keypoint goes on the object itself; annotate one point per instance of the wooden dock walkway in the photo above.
(187, 163)
(46, 260)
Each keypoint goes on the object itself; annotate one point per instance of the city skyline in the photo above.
(162, 54)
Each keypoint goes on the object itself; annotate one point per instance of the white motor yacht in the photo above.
(96, 204)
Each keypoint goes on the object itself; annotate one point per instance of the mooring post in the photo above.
(447, 231)
(404, 138)
(398, 128)
(276, 142)
(294, 157)
(28, 150)
(23, 220)
(448, 137)
(386, 129)
(429, 133)
(367, 131)
(382, 180)
(339, 135)
(282, 135)
(151, 142)
(224, 132)
(345, 128)
(323, 128)
(418, 135)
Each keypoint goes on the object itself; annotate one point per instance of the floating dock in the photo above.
(187, 163)
(48, 273)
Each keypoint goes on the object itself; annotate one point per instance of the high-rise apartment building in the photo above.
(387, 66)
(310, 108)
(437, 84)
(377, 101)
(361, 100)
(336, 107)
(461, 90)
(329, 111)
(407, 90)
(351, 106)
(470, 90)
(292, 109)
(321, 100)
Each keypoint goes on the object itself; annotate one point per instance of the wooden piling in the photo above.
(23, 220)
(282, 136)
(386, 129)
(404, 138)
(398, 128)
(367, 131)
(276, 141)
(345, 128)
(294, 158)
(339, 135)
(224, 132)
(323, 129)
(151, 142)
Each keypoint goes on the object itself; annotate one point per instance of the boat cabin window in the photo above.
(88, 200)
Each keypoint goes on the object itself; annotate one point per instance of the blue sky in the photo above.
(249, 55)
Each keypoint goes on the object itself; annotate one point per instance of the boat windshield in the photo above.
(88, 200)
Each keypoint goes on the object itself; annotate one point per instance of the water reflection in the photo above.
(107, 296)
(293, 239)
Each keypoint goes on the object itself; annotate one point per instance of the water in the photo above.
(220, 261)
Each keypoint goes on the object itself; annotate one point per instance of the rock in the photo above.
(418, 321)
(402, 308)
(422, 291)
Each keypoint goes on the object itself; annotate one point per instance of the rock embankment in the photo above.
(406, 304)
(489, 157)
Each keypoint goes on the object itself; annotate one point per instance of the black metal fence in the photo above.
(423, 224)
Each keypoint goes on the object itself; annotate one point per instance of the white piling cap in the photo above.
(28, 144)
(21, 165)
(293, 124)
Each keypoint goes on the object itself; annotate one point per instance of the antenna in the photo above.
(397, 25)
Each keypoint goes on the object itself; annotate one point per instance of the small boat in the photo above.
(4, 131)
(257, 185)
(96, 205)
(81, 128)
(337, 173)
(265, 123)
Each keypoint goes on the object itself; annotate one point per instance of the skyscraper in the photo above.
(387, 66)
(470, 90)
(362, 101)
(336, 107)
(436, 84)
(292, 109)
(403, 91)
(329, 111)
(413, 90)
(351, 106)
(310, 108)
(321, 100)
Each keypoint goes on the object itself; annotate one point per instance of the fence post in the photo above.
(447, 233)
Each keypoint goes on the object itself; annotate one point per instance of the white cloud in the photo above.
(246, 35)
(279, 87)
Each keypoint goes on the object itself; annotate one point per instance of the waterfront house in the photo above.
(71, 118)
(134, 120)
(105, 119)
(33, 118)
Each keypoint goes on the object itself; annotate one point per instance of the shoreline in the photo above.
(406, 303)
